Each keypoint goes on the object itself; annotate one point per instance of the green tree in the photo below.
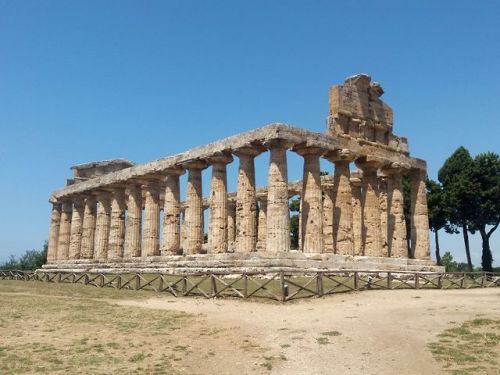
(459, 193)
(437, 212)
(30, 260)
(485, 176)
(449, 264)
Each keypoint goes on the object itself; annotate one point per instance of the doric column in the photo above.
(246, 202)
(75, 241)
(312, 205)
(357, 213)
(372, 240)
(396, 226)
(183, 229)
(172, 213)
(384, 214)
(419, 215)
(262, 224)
(88, 228)
(194, 207)
(278, 215)
(117, 226)
(343, 241)
(55, 221)
(217, 226)
(133, 226)
(231, 224)
(328, 209)
(64, 231)
(102, 225)
(151, 230)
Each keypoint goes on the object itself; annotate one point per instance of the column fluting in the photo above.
(217, 226)
(117, 226)
(151, 230)
(419, 215)
(102, 225)
(88, 228)
(278, 214)
(64, 231)
(75, 241)
(133, 225)
(172, 213)
(55, 221)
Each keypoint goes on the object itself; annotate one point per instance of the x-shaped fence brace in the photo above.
(281, 285)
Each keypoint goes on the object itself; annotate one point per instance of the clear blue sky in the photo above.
(92, 80)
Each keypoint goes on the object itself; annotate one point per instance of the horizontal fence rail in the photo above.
(279, 286)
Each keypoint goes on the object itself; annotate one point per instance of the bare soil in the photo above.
(50, 328)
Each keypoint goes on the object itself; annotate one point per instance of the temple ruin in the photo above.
(107, 217)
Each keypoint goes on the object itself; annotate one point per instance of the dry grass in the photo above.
(64, 328)
(471, 348)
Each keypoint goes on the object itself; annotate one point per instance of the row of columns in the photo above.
(107, 224)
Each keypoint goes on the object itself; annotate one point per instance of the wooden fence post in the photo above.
(245, 285)
(356, 280)
(319, 284)
(389, 280)
(282, 285)
(417, 281)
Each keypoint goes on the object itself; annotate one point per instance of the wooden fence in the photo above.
(280, 286)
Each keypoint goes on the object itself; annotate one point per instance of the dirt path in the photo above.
(381, 332)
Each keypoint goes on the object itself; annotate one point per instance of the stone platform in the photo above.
(245, 262)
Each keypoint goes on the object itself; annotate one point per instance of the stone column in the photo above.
(328, 209)
(357, 213)
(262, 224)
(246, 201)
(419, 216)
(88, 228)
(133, 226)
(75, 241)
(396, 227)
(312, 205)
(278, 214)
(194, 207)
(102, 225)
(55, 221)
(151, 231)
(183, 229)
(117, 226)
(372, 240)
(217, 226)
(172, 213)
(231, 224)
(384, 214)
(64, 231)
(343, 241)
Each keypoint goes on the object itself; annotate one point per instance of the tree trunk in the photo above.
(438, 254)
(486, 258)
(467, 247)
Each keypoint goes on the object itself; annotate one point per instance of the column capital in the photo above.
(176, 171)
(278, 143)
(395, 169)
(222, 158)
(370, 163)
(194, 164)
(355, 178)
(102, 195)
(305, 150)
(341, 155)
(251, 151)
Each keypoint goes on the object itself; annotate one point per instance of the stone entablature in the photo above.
(113, 212)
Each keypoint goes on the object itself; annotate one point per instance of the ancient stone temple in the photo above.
(107, 217)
